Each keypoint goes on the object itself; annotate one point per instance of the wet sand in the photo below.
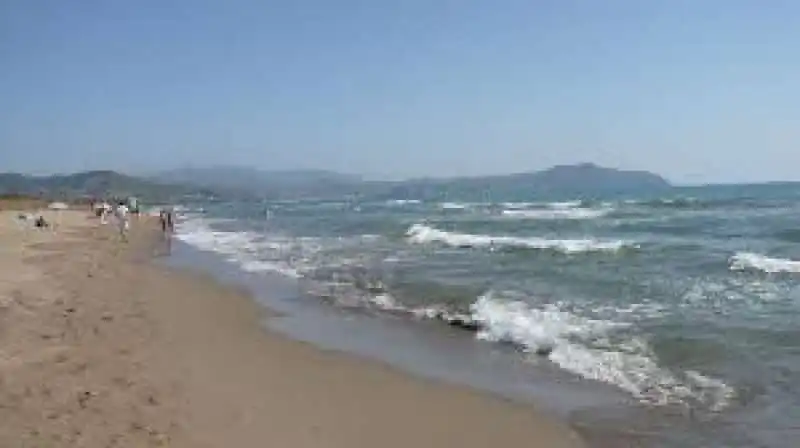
(100, 347)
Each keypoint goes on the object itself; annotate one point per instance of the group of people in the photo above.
(121, 213)
(165, 216)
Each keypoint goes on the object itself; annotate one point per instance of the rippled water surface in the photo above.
(688, 302)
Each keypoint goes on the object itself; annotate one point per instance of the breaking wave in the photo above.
(556, 213)
(599, 350)
(454, 206)
(240, 248)
(423, 234)
(596, 349)
(401, 202)
(751, 261)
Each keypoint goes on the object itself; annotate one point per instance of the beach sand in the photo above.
(102, 347)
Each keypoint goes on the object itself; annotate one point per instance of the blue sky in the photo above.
(700, 91)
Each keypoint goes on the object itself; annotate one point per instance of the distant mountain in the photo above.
(88, 183)
(581, 180)
(251, 181)
(586, 179)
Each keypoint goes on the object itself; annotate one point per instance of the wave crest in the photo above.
(557, 213)
(423, 234)
(743, 261)
(583, 346)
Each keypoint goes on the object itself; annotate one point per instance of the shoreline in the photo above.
(202, 370)
(427, 350)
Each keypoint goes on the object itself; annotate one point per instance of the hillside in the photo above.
(584, 180)
(88, 183)
(251, 181)
(566, 180)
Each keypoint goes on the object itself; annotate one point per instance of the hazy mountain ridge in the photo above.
(585, 179)
(242, 177)
(582, 180)
(98, 183)
(242, 181)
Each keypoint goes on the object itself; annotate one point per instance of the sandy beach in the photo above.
(102, 347)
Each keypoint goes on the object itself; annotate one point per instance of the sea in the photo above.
(673, 318)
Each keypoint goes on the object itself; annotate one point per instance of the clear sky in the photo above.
(697, 90)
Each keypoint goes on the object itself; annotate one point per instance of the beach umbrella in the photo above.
(58, 206)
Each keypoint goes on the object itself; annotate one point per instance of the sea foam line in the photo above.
(424, 234)
(239, 248)
(556, 213)
(753, 261)
(581, 346)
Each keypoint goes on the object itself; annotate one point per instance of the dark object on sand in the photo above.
(468, 324)
(463, 323)
(41, 223)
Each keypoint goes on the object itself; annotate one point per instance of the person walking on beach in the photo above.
(103, 211)
(167, 227)
(123, 222)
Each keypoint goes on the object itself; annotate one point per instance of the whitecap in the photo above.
(582, 346)
(556, 213)
(241, 248)
(752, 261)
(454, 206)
(423, 234)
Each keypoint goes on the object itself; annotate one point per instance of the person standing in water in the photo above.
(167, 227)
(167, 220)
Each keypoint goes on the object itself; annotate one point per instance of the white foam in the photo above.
(535, 329)
(557, 213)
(565, 205)
(644, 310)
(385, 302)
(517, 205)
(582, 346)
(403, 202)
(260, 252)
(240, 248)
(267, 266)
(568, 210)
(454, 206)
(594, 349)
(423, 234)
(748, 260)
(714, 391)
